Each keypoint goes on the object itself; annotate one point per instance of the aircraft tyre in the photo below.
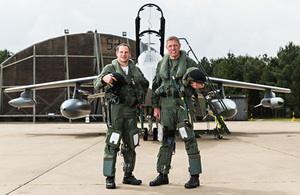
(218, 136)
(145, 137)
(155, 132)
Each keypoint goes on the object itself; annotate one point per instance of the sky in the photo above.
(213, 28)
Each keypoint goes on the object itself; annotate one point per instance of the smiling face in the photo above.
(123, 55)
(173, 47)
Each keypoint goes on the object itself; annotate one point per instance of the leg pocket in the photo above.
(134, 138)
(113, 138)
(186, 132)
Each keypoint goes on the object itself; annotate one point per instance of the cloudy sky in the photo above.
(212, 27)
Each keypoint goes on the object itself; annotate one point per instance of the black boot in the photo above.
(130, 179)
(110, 183)
(159, 180)
(193, 182)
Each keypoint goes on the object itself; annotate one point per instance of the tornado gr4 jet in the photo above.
(77, 107)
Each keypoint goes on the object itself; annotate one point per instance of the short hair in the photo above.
(123, 44)
(172, 38)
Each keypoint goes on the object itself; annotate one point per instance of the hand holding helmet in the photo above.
(109, 79)
(114, 81)
(194, 77)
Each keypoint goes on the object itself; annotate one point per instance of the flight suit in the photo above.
(123, 116)
(173, 111)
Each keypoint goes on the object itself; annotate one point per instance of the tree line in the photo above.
(281, 71)
(4, 54)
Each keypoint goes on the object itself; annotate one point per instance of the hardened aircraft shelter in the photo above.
(65, 57)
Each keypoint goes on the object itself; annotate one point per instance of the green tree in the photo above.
(281, 71)
(253, 71)
(206, 65)
(230, 67)
(287, 72)
(4, 55)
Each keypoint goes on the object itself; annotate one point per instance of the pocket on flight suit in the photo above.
(113, 138)
(185, 131)
(134, 138)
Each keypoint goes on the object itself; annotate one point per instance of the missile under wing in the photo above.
(73, 108)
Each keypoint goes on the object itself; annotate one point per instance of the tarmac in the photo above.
(66, 158)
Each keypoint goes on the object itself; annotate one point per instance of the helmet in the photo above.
(117, 85)
(193, 74)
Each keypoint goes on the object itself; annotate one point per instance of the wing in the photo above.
(54, 84)
(240, 84)
(73, 108)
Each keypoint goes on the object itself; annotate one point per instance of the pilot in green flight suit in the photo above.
(127, 86)
(173, 86)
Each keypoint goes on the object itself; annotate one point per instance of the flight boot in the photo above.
(130, 179)
(159, 180)
(193, 182)
(110, 183)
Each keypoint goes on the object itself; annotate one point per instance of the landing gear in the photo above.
(153, 132)
(145, 136)
(218, 134)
